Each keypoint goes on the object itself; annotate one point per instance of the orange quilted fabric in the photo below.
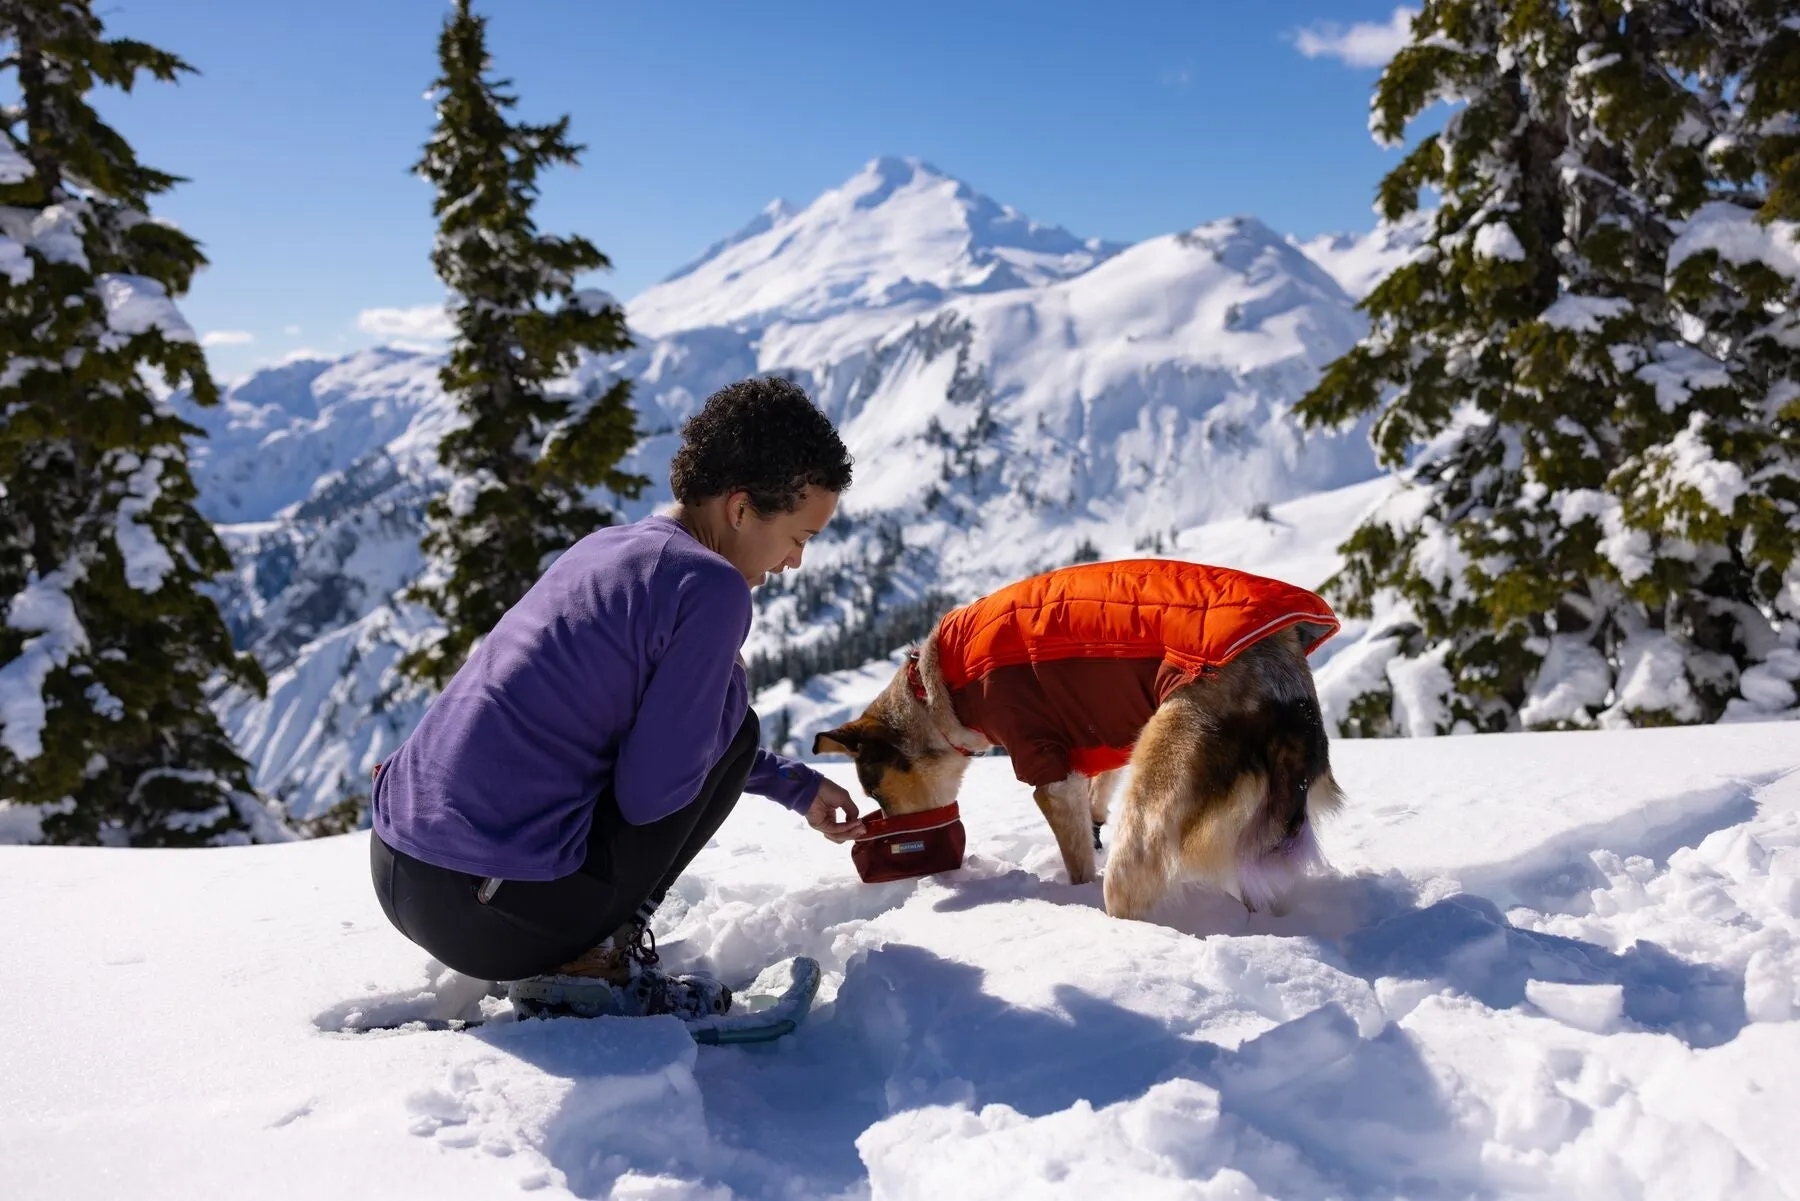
(1189, 615)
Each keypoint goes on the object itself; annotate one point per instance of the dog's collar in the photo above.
(916, 682)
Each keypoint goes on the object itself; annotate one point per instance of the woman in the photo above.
(601, 732)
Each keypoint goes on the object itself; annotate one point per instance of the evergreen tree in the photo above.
(525, 455)
(108, 644)
(1588, 376)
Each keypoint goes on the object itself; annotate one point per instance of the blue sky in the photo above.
(1120, 121)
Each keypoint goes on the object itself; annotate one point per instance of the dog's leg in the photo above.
(1100, 791)
(1146, 850)
(1065, 807)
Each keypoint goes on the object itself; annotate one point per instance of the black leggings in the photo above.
(527, 927)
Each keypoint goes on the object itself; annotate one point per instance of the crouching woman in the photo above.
(601, 732)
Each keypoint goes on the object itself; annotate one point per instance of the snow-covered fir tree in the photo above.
(526, 454)
(1589, 378)
(108, 647)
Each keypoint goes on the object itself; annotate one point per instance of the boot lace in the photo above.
(643, 948)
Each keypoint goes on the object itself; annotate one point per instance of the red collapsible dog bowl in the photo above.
(914, 844)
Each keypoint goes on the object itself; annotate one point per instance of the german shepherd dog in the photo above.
(1229, 770)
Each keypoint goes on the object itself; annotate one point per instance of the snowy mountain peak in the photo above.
(898, 234)
(773, 213)
(1360, 261)
(1244, 247)
(1240, 242)
(881, 177)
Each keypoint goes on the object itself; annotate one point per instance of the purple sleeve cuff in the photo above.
(788, 782)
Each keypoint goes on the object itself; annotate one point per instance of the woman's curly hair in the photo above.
(761, 436)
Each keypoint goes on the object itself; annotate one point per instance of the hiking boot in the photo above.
(616, 958)
(620, 976)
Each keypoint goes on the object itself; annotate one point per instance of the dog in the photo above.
(1193, 677)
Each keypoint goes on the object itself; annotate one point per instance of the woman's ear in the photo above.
(738, 508)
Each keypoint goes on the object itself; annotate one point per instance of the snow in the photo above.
(1135, 389)
(1693, 467)
(1166, 1144)
(898, 232)
(1496, 240)
(147, 560)
(1738, 237)
(1583, 314)
(594, 300)
(332, 713)
(136, 305)
(272, 437)
(1440, 558)
(1595, 1008)
(1653, 679)
(55, 233)
(15, 264)
(774, 213)
(1678, 370)
(1627, 549)
(1358, 668)
(1550, 964)
(1769, 686)
(23, 825)
(1592, 61)
(14, 167)
(1297, 541)
(1573, 679)
(1421, 688)
(1360, 261)
(43, 609)
(1151, 391)
(104, 702)
(462, 496)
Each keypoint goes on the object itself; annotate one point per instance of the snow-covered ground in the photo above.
(1557, 965)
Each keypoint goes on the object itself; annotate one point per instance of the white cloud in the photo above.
(425, 321)
(301, 354)
(227, 337)
(292, 331)
(1364, 44)
(264, 362)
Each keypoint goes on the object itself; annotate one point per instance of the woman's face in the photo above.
(762, 546)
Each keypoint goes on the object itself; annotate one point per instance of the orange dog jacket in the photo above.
(1064, 669)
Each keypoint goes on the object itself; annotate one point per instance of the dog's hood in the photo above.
(1190, 615)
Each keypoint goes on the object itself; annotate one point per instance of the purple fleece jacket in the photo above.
(620, 667)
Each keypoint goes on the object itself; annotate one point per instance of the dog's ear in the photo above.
(845, 740)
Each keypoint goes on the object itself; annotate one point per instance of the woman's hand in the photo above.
(823, 813)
